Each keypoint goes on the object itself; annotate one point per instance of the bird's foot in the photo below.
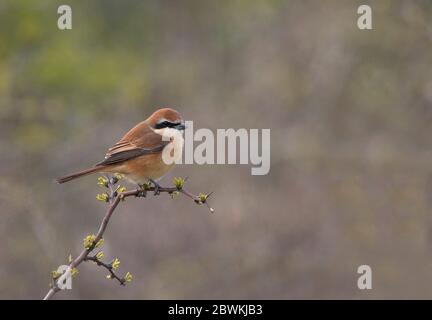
(157, 187)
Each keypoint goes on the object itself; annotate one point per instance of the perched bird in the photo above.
(146, 152)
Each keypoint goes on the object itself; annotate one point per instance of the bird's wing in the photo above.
(139, 141)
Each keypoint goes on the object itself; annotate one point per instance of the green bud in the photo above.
(99, 243)
(145, 186)
(202, 197)
(121, 189)
(100, 255)
(116, 178)
(115, 264)
(55, 275)
(179, 183)
(88, 241)
(102, 181)
(102, 197)
(128, 277)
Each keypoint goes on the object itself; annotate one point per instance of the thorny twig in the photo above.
(113, 197)
(107, 266)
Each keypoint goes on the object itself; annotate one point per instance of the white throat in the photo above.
(176, 144)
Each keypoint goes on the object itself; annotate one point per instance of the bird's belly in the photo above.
(141, 169)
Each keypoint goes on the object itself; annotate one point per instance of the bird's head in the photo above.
(166, 118)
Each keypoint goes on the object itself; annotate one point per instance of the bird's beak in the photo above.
(180, 126)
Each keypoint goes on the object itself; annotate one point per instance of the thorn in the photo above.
(210, 208)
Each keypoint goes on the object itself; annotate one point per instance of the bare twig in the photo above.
(107, 266)
(113, 197)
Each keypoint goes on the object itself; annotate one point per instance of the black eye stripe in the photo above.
(166, 124)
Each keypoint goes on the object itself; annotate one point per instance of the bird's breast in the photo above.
(153, 166)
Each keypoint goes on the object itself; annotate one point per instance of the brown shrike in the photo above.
(140, 155)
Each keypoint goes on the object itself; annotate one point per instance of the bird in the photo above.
(145, 153)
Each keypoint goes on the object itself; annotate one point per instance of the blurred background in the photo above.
(350, 116)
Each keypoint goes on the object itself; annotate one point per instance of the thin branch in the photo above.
(114, 198)
(107, 266)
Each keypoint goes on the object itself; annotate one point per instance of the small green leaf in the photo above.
(179, 183)
(99, 243)
(102, 197)
(100, 255)
(115, 264)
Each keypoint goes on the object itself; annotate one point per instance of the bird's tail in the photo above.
(79, 174)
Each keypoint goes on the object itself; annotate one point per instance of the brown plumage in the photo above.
(138, 155)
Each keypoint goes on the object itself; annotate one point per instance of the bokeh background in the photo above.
(350, 116)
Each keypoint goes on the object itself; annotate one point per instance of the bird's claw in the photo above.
(156, 187)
